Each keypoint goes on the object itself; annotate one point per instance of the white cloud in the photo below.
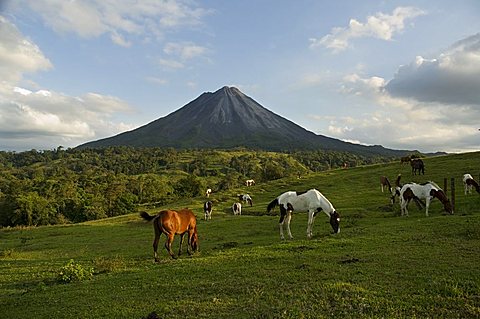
(453, 77)
(381, 26)
(117, 18)
(178, 54)
(404, 123)
(18, 54)
(45, 119)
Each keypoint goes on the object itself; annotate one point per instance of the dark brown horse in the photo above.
(171, 223)
(417, 165)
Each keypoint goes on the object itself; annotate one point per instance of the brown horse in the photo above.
(171, 223)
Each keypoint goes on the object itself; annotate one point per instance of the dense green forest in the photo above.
(71, 185)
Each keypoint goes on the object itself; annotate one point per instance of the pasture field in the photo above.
(380, 265)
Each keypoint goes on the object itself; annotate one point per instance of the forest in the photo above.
(62, 186)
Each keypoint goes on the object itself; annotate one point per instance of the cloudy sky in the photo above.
(403, 74)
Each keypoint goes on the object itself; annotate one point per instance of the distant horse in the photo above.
(237, 209)
(312, 201)
(417, 165)
(427, 191)
(245, 198)
(171, 223)
(469, 183)
(249, 182)
(208, 192)
(384, 182)
(396, 191)
(405, 159)
(207, 209)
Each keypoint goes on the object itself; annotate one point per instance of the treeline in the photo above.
(70, 185)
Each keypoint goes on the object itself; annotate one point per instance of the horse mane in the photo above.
(272, 204)
(435, 184)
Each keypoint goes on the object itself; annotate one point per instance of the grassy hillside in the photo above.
(380, 265)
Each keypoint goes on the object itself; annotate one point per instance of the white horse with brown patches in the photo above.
(311, 201)
(237, 209)
(469, 183)
(427, 191)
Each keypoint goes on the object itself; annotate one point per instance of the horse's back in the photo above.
(172, 221)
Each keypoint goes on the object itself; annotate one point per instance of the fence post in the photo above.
(452, 181)
(445, 184)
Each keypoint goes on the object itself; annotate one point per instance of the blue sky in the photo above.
(403, 74)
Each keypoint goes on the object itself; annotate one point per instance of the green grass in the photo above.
(381, 265)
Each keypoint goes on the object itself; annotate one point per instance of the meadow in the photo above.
(381, 265)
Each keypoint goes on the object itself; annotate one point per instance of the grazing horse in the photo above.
(384, 182)
(312, 201)
(208, 192)
(207, 209)
(246, 198)
(237, 209)
(405, 159)
(171, 223)
(249, 182)
(427, 191)
(469, 183)
(417, 165)
(396, 190)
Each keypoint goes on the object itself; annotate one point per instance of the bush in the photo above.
(74, 272)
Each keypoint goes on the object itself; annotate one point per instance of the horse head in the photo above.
(440, 194)
(335, 221)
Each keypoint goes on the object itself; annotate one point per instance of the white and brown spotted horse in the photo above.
(427, 191)
(469, 183)
(207, 209)
(311, 201)
(237, 208)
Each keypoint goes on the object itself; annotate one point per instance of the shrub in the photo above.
(74, 272)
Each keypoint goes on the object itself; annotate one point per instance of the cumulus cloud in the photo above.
(177, 54)
(381, 26)
(116, 18)
(18, 54)
(45, 119)
(405, 123)
(452, 77)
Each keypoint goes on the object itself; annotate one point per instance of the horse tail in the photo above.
(272, 205)
(146, 216)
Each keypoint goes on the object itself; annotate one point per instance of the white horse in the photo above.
(246, 198)
(312, 201)
(469, 183)
(207, 209)
(249, 182)
(237, 209)
(427, 191)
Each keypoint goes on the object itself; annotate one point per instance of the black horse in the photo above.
(417, 165)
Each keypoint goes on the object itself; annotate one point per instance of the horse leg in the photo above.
(282, 220)
(191, 233)
(155, 241)
(288, 219)
(181, 244)
(427, 204)
(310, 224)
(168, 244)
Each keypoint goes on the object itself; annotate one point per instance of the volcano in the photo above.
(227, 119)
